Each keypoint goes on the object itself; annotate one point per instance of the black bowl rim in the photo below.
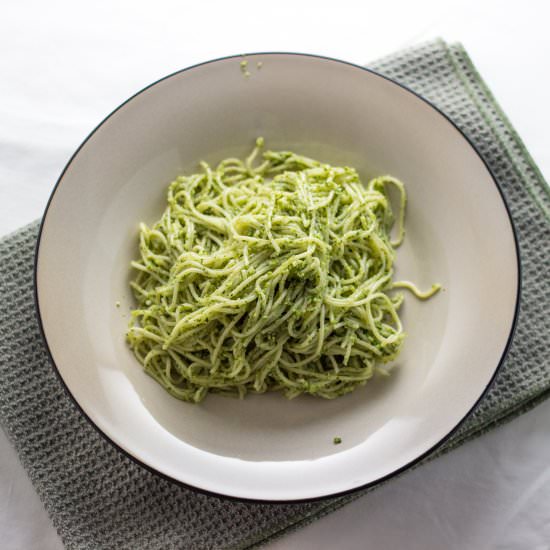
(371, 484)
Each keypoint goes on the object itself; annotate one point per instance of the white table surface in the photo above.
(65, 65)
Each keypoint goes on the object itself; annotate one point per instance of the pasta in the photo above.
(269, 274)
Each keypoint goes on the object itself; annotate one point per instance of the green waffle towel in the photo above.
(98, 498)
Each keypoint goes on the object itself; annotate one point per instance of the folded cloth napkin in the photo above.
(98, 498)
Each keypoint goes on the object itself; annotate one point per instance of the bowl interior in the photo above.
(457, 233)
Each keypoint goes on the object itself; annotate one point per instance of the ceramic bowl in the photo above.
(458, 233)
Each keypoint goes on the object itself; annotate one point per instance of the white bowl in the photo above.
(264, 447)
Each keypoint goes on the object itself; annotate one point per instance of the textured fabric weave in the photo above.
(99, 499)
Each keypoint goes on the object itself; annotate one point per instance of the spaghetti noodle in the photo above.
(269, 273)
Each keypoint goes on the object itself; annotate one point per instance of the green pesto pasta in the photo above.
(269, 274)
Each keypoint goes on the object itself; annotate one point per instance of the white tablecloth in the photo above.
(65, 65)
